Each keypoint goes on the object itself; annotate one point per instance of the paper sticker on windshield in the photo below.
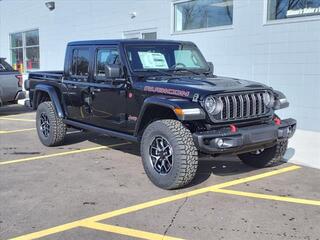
(153, 60)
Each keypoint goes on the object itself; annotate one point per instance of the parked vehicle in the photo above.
(164, 95)
(10, 84)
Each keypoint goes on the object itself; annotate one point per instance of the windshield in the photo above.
(165, 57)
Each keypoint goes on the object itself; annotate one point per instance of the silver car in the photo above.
(10, 84)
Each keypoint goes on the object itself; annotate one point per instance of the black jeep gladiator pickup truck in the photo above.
(164, 95)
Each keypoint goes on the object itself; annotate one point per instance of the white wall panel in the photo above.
(284, 55)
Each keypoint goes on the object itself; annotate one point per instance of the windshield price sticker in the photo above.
(153, 60)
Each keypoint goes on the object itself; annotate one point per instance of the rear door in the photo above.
(77, 80)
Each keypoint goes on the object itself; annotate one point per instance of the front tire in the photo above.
(169, 156)
(266, 158)
(50, 127)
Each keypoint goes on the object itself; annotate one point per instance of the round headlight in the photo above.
(212, 105)
(268, 99)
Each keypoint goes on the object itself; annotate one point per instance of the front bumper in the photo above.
(245, 139)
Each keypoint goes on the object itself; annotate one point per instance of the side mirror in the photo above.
(112, 71)
(211, 67)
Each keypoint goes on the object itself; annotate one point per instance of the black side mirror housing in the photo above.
(211, 67)
(112, 71)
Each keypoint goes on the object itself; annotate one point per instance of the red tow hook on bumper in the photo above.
(233, 128)
(277, 121)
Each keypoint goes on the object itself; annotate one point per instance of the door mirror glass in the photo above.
(112, 71)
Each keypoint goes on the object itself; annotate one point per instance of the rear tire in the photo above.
(169, 155)
(50, 127)
(267, 158)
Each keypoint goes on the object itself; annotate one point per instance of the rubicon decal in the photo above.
(132, 118)
(167, 91)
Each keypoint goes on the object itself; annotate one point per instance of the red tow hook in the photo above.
(233, 128)
(277, 121)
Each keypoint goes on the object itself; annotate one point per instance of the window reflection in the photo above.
(281, 9)
(203, 14)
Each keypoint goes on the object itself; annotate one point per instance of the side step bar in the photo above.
(101, 130)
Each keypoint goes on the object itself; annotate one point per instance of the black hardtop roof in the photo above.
(119, 41)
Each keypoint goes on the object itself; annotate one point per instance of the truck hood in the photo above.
(187, 86)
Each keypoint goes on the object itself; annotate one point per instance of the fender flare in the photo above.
(53, 96)
(172, 104)
(281, 100)
(1, 103)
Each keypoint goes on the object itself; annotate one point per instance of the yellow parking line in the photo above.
(61, 154)
(17, 119)
(152, 203)
(47, 232)
(256, 177)
(15, 131)
(188, 194)
(269, 197)
(127, 231)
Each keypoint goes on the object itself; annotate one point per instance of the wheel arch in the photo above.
(152, 112)
(161, 107)
(45, 92)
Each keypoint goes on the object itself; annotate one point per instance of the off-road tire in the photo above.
(184, 153)
(267, 158)
(57, 128)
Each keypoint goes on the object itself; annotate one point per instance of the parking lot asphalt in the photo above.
(94, 187)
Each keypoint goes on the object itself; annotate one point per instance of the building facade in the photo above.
(276, 42)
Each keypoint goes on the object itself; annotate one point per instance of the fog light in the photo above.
(219, 142)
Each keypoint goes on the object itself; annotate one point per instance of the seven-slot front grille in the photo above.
(242, 106)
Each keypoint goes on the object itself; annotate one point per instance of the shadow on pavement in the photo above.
(14, 110)
(221, 166)
(76, 136)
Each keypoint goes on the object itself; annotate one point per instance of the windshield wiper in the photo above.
(156, 71)
(184, 70)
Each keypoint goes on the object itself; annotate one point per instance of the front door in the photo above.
(108, 99)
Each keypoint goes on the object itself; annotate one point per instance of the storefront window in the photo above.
(32, 56)
(281, 9)
(16, 40)
(198, 14)
(25, 50)
(32, 38)
(149, 35)
(17, 59)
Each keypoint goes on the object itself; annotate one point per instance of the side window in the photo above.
(80, 63)
(105, 56)
(74, 62)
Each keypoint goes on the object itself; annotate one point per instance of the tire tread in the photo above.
(185, 149)
(58, 127)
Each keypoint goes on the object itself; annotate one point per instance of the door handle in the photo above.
(73, 86)
(93, 89)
